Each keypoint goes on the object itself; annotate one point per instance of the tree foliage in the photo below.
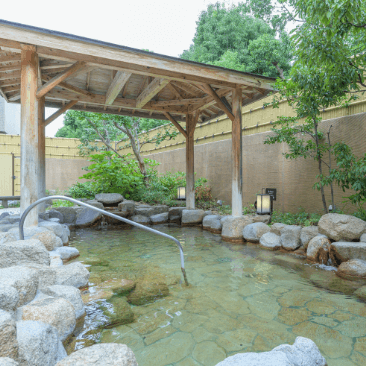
(235, 37)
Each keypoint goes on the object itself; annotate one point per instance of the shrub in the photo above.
(83, 190)
(301, 218)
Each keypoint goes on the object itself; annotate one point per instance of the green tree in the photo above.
(232, 37)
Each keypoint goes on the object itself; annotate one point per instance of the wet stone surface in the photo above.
(240, 299)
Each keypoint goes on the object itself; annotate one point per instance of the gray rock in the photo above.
(341, 251)
(151, 210)
(212, 223)
(207, 213)
(363, 238)
(46, 275)
(73, 274)
(232, 227)
(175, 219)
(266, 219)
(6, 361)
(318, 250)
(69, 293)
(39, 344)
(253, 232)
(192, 217)
(8, 337)
(87, 217)
(43, 216)
(96, 204)
(68, 213)
(9, 298)
(270, 241)
(56, 228)
(23, 279)
(109, 198)
(303, 352)
(6, 227)
(67, 253)
(277, 227)
(54, 219)
(341, 227)
(48, 239)
(127, 207)
(54, 214)
(354, 269)
(27, 231)
(361, 293)
(140, 219)
(111, 354)
(112, 220)
(3, 215)
(175, 211)
(57, 312)
(12, 219)
(7, 237)
(160, 218)
(23, 251)
(307, 233)
(290, 237)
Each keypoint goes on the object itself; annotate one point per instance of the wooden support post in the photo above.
(29, 164)
(41, 154)
(236, 155)
(191, 121)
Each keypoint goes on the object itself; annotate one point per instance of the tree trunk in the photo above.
(320, 166)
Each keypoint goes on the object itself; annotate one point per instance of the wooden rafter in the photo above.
(176, 124)
(174, 90)
(209, 101)
(150, 91)
(67, 86)
(59, 112)
(9, 82)
(116, 86)
(179, 102)
(9, 58)
(9, 75)
(59, 78)
(2, 93)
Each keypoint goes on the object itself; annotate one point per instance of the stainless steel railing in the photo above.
(176, 241)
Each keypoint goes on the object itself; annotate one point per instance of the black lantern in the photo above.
(264, 204)
(181, 193)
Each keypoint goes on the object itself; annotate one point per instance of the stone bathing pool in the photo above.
(240, 299)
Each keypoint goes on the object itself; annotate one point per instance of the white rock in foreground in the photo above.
(9, 298)
(7, 237)
(270, 241)
(74, 274)
(107, 354)
(39, 344)
(6, 361)
(303, 352)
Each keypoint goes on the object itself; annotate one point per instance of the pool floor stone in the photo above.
(241, 299)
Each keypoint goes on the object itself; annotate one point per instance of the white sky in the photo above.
(162, 26)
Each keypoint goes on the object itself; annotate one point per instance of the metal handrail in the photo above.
(176, 241)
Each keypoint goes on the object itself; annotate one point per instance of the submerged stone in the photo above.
(121, 313)
(354, 269)
(148, 290)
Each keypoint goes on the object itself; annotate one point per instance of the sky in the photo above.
(161, 26)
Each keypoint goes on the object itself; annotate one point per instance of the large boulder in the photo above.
(175, 213)
(232, 227)
(127, 207)
(39, 344)
(277, 227)
(48, 239)
(290, 237)
(342, 251)
(341, 227)
(3, 215)
(69, 293)
(354, 269)
(303, 352)
(318, 250)
(6, 361)
(11, 219)
(67, 253)
(161, 218)
(46, 274)
(87, 217)
(55, 227)
(23, 279)
(212, 223)
(28, 232)
(23, 251)
(192, 217)
(146, 210)
(253, 232)
(120, 314)
(110, 354)
(95, 203)
(68, 213)
(114, 221)
(308, 233)
(54, 214)
(73, 274)
(7, 237)
(6, 227)
(140, 219)
(270, 241)
(9, 298)
(109, 198)
(8, 336)
(57, 312)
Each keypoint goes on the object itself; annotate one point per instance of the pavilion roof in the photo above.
(95, 76)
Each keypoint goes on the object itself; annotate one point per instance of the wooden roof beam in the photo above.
(67, 86)
(116, 86)
(59, 78)
(59, 112)
(150, 91)
(4, 95)
(9, 58)
(176, 124)
(174, 90)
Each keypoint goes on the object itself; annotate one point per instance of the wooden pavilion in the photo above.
(42, 68)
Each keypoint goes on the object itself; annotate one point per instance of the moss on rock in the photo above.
(121, 313)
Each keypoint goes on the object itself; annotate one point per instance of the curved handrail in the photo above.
(26, 211)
